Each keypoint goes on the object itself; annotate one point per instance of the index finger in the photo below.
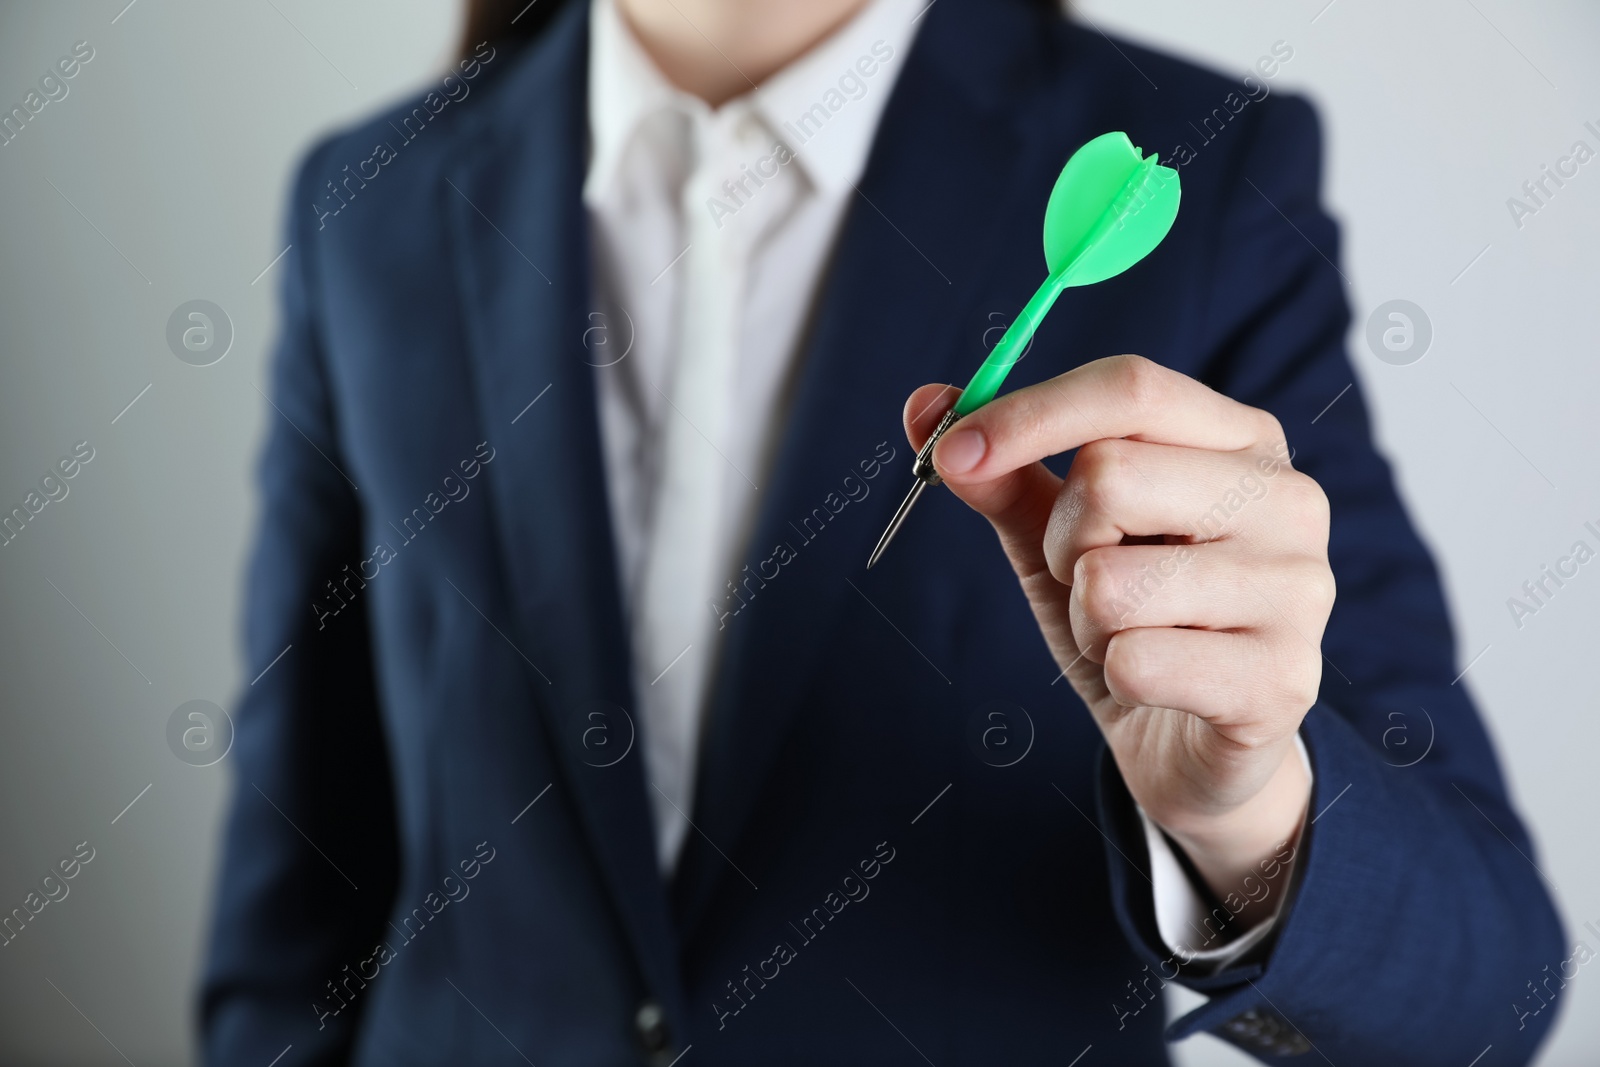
(1119, 396)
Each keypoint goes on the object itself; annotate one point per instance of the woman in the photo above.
(593, 742)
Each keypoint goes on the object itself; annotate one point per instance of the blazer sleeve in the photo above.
(1418, 914)
(309, 855)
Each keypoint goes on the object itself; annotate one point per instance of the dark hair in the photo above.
(509, 23)
(506, 23)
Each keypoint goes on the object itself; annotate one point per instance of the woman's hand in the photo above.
(1180, 577)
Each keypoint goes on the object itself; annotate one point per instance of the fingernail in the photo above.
(960, 451)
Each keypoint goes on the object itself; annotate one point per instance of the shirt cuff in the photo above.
(1181, 908)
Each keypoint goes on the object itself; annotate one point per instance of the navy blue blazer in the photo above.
(440, 850)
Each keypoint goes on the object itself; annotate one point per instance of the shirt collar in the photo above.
(824, 107)
(625, 88)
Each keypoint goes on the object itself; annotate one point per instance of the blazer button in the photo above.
(650, 1022)
(1259, 1031)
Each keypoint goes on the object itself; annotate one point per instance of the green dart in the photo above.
(1109, 209)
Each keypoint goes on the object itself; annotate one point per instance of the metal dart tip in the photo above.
(895, 523)
(923, 468)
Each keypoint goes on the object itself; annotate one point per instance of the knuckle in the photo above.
(1290, 672)
(1141, 381)
(1058, 541)
(1099, 477)
(1095, 583)
(1274, 677)
(1124, 671)
(1304, 588)
(1270, 430)
(1301, 680)
(1254, 735)
(1309, 509)
(1321, 588)
(1321, 508)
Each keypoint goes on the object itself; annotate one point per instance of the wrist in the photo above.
(1244, 854)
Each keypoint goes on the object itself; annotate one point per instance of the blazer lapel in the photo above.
(520, 241)
(916, 253)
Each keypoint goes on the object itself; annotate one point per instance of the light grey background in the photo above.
(169, 158)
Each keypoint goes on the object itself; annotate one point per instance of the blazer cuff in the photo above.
(1333, 865)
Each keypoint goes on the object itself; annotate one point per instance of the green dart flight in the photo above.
(1109, 209)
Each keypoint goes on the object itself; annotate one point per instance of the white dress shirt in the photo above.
(711, 229)
(663, 167)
